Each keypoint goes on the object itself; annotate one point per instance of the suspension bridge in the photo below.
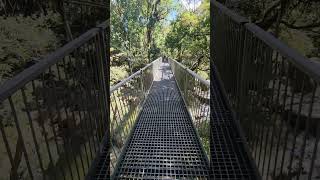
(257, 117)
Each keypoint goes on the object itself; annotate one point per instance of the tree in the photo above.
(140, 32)
(188, 38)
(134, 24)
(284, 17)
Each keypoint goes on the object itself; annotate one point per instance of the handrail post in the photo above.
(105, 64)
(239, 104)
(185, 87)
(142, 86)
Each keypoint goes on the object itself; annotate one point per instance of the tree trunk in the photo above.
(150, 27)
(283, 6)
(66, 22)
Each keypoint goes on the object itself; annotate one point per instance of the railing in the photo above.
(85, 14)
(275, 93)
(196, 93)
(127, 98)
(55, 113)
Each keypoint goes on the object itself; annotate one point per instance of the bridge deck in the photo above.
(164, 144)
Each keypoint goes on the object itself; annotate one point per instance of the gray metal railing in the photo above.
(54, 114)
(196, 93)
(126, 99)
(275, 93)
(84, 14)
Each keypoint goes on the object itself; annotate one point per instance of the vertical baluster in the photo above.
(6, 143)
(65, 143)
(33, 131)
(20, 137)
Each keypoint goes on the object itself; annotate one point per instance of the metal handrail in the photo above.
(295, 57)
(124, 81)
(195, 92)
(12, 85)
(274, 91)
(300, 61)
(64, 93)
(89, 13)
(197, 76)
(231, 14)
(126, 99)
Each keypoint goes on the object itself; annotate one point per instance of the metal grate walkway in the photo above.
(229, 159)
(164, 144)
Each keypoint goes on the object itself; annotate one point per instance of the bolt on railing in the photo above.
(55, 113)
(196, 93)
(275, 93)
(126, 100)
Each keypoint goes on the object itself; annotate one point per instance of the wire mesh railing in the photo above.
(84, 14)
(275, 93)
(55, 113)
(126, 100)
(196, 93)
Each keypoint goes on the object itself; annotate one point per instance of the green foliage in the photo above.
(140, 33)
(296, 22)
(23, 39)
(298, 40)
(134, 31)
(188, 39)
(117, 73)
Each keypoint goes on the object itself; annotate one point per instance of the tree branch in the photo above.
(268, 11)
(197, 64)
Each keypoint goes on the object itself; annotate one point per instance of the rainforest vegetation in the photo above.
(144, 30)
(29, 31)
(296, 22)
(141, 31)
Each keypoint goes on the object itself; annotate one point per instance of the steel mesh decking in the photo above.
(164, 144)
(229, 159)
